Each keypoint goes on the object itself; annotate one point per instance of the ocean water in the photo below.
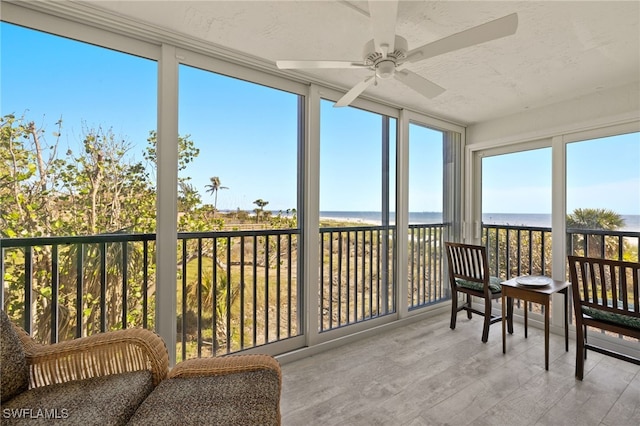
(632, 222)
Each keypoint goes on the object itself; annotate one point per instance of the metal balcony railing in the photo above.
(357, 273)
(66, 287)
(241, 289)
(426, 266)
(517, 250)
(615, 245)
(522, 250)
(236, 289)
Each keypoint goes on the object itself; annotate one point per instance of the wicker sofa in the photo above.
(123, 377)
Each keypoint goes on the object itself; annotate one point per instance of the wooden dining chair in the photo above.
(606, 296)
(469, 274)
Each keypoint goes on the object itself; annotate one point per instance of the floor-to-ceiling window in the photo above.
(238, 202)
(516, 212)
(77, 121)
(602, 204)
(426, 221)
(357, 191)
(603, 196)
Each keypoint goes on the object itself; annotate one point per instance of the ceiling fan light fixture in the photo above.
(385, 69)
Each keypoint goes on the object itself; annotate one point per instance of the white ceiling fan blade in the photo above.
(421, 85)
(383, 19)
(491, 30)
(355, 92)
(284, 65)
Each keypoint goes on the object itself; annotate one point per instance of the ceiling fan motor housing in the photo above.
(385, 66)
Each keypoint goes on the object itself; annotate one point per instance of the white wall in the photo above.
(599, 109)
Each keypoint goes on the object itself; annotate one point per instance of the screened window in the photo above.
(77, 121)
(603, 194)
(78, 118)
(516, 212)
(357, 189)
(425, 174)
(238, 189)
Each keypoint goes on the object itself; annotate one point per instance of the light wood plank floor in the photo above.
(427, 374)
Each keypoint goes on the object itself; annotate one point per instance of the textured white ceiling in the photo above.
(562, 50)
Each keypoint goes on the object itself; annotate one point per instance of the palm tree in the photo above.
(595, 219)
(259, 211)
(213, 188)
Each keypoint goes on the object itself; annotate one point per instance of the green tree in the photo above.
(187, 151)
(260, 210)
(188, 197)
(97, 189)
(286, 219)
(594, 219)
(100, 189)
(43, 193)
(26, 183)
(213, 189)
(594, 244)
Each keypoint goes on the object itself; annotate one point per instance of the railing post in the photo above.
(145, 284)
(28, 288)
(123, 264)
(55, 286)
(79, 287)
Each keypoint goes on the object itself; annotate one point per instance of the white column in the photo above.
(312, 216)
(166, 204)
(472, 188)
(402, 214)
(558, 223)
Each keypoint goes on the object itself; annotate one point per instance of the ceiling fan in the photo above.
(387, 54)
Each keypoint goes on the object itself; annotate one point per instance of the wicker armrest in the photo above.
(101, 354)
(218, 366)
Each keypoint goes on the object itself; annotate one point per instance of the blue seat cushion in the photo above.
(494, 284)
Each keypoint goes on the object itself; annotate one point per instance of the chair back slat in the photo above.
(467, 262)
(606, 285)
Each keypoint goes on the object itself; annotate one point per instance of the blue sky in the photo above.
(247, 135)
(350, 159)
(601, 173)
(605, 173)
(425, 169)
(47, 77)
